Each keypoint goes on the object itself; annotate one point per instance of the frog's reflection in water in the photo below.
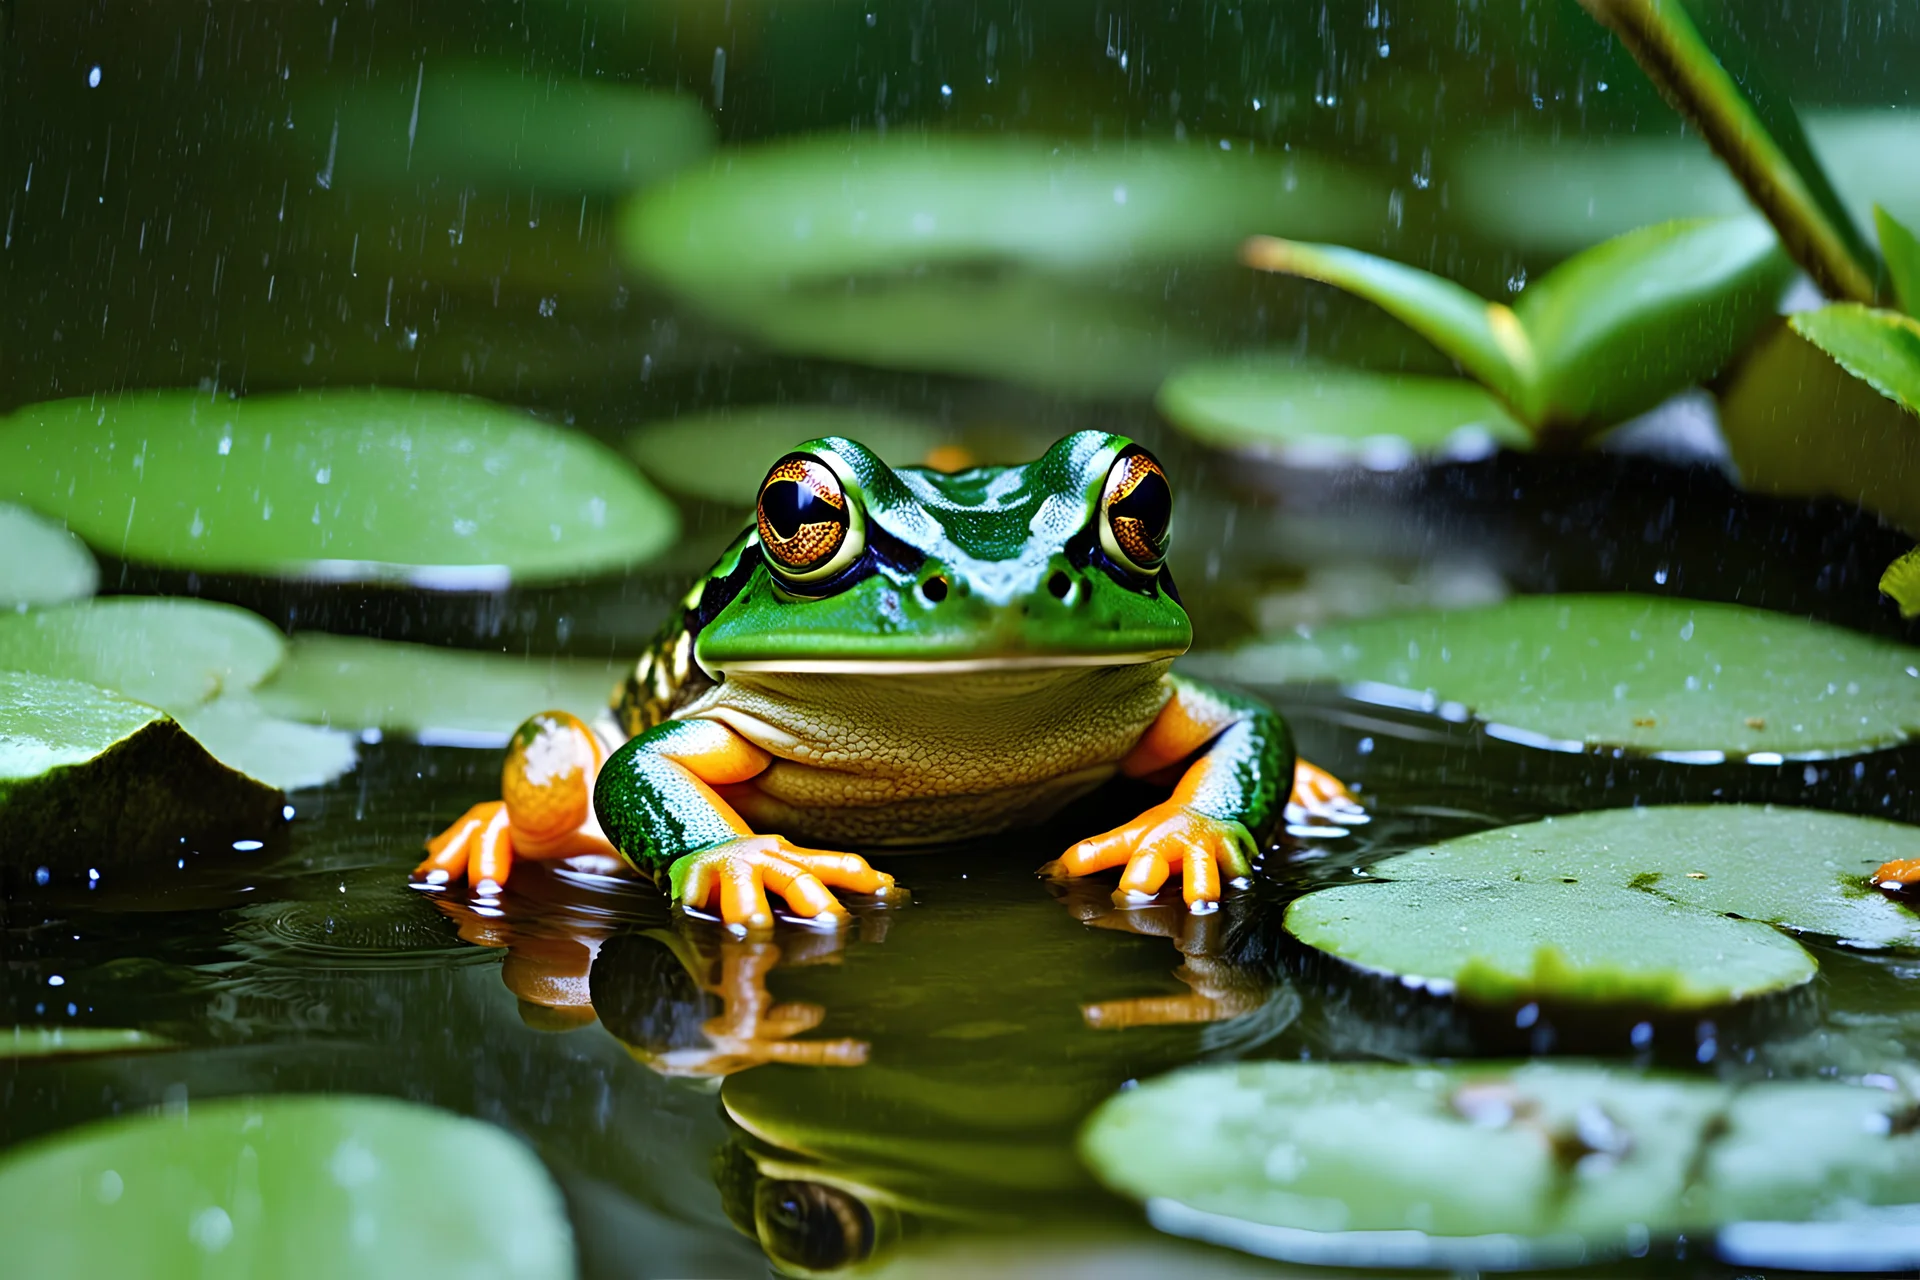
(974, 1033)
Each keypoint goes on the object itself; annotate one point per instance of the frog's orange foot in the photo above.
(1902, 875)
(1208, 850)
(1319, 797)
(546, 809)
(736, 875)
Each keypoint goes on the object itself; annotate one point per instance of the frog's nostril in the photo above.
(1060, 585)
(934, 589)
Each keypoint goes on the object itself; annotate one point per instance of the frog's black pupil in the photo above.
(1151, 503)
(788, 505)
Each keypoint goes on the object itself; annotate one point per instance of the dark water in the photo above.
(164, 227)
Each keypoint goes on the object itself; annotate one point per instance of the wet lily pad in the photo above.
(286, 1186)
(1682, 679)
(1317, 416)
(1509, 943)
(472, 124)
(1802, 869)
(1361, 1164)
(193, 659)
(87, 773)
(40, 562)
(63, 1042)
(172, 653)
(380, 486)
(1879, 347)
(448, 697)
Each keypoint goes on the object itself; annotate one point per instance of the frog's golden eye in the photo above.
(808, 525)
(1136, 508)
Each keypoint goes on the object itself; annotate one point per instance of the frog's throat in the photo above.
(945, 666)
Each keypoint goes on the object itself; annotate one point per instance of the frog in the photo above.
(899, 657)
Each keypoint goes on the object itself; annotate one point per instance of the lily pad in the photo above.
(1361, 1164)
(1509, 943)
(445, 697)
(172, 653)
(284, 1186)
(378, 486)
(40, 562)
(1685, 680)
(1801, 869)
(65, 1042)
(86, 772)
(723, 456)
(281, 753)
(471, 124)
(1319, 416)
(1879, 347)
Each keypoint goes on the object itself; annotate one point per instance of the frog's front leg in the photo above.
(657, 800)
(1229, 791)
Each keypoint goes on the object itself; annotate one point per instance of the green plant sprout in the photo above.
(1606, 335)
(1869, 330)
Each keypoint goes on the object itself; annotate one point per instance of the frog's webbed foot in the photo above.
(1209, 851)
(1319, 798)
(545, 810)
(736, 875)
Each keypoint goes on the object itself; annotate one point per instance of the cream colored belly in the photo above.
(929, 756)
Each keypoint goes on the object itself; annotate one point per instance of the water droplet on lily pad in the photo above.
(292, 1186)
(1498, 1166)
(1683, 679)
(365, 486)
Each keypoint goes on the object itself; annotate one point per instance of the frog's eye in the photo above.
(808, 526)
(1136, 507)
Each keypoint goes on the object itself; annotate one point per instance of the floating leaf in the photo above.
(64, 1042)
(723, 456)
(1755, 132)
(283, 1186)
(1801, 869)
(1362, 1164)
(471, 124)
(1902, 582)
(382, 486)
(1510, 943)
(1881, 348)
(1686, 680)
(443, 696)
(172, 653)
(1606, 335)
(40, 562)
(194, 659)
(88, 773)
(1902, 254)
(1797, 423)
(1321, 416)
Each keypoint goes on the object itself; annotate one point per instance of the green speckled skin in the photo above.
(1004, 539)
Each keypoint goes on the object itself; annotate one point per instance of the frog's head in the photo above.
(854, 566)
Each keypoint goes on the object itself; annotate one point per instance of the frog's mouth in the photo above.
(944, 666)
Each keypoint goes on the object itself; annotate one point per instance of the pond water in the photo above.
(194, 203)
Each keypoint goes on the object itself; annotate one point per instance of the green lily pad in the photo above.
(174, 654)
(1605, 335)
(1801, 869)
(496, 127)
(442, 696)
(86, 772)
(63, 1042)
(828, 207)
(1320, 416)
(40, 562)
(283, 1186)
(240, 733)
(1509, 943)
(378, 486)
(1684, 680)
(1879, 347)
(723, 456)
(1361, 1164)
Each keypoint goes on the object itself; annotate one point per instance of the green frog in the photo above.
(900, 656)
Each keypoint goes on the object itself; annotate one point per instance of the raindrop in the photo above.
(93, 78)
